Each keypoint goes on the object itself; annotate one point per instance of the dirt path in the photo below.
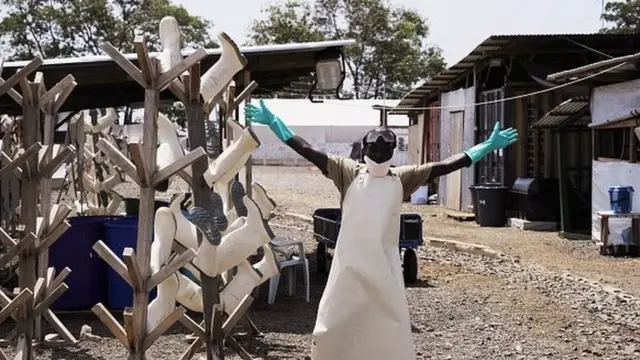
(463, 307)
(303, 190)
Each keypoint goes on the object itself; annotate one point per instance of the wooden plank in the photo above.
(178, 165)
(112, 260)
(163, 327)
(24, 296)
(179, 68)
(167, 270)
(124, 63)
(29, 214)
(146, 214)
(248, 169)
(20, 75)
(111, 323)
(143, 59)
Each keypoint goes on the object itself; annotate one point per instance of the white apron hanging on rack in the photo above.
(363, 313)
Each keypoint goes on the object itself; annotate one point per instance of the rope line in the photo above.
(503, 100)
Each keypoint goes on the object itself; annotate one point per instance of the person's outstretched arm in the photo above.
(317, 157)
(262, 115)
(413, 176)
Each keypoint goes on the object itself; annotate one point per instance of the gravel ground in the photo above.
(525, 306)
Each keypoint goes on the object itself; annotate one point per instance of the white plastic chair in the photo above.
(288, 267)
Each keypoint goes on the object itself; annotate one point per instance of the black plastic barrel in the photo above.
(474, 197)
(491, 201)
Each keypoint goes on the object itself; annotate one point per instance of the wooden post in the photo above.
(29, 211)
(136, 268)
(41, 232)
(214, 343)
(248, 170)
(50, 104)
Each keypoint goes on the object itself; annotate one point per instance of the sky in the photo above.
(457, 26)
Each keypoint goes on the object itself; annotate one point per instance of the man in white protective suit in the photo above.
(363, 313)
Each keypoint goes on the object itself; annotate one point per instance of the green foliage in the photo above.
(624, 15)
(66, 28)
(391, 53)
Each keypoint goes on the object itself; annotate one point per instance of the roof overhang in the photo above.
(102, 83)
(510, 45)
(601, 70)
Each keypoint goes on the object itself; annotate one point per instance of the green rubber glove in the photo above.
(499, 139)
(262, 115)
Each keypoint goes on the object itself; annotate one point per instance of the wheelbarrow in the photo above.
(326, 227)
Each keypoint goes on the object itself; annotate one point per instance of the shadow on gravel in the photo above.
(74, 353)
(421, 283)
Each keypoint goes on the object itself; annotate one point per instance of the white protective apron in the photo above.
(363, 313)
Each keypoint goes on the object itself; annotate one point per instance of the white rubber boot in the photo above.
(169, 33)
(237, 245)
(89, 183)
(236, 129)
(164, 231)
(169, 149)
(110, 182)
(243, 282)
(186, 233)
(224, 190)
(239, 209)
(103, 123)
(265, 203)
(237, 224)
(189, 293)
(216, 79)
(164, 303)
(268, 265)
(206, 258)
(115, 202)
(232, 159)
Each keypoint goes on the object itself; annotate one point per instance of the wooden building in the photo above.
(613, 117)
(513, 67)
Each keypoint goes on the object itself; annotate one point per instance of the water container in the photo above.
(88, 271)
(621, 199)
(120, 234)
(420, 196)
(492, 205)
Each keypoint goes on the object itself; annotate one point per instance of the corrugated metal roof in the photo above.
(573, 112)
(593, 68)
(302, 112)
(631, 119)
(493, 43)
(262, 49)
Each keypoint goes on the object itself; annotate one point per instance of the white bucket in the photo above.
(420, 196)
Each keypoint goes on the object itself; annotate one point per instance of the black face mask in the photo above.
(379, 145)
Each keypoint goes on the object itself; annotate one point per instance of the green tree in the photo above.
(392, 52)
(66, 28)
(623, 15)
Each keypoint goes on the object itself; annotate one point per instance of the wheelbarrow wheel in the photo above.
(321, 258)
(410, 266)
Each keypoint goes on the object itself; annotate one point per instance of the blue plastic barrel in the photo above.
(88, 271)
(621, 199)
(120, 234)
